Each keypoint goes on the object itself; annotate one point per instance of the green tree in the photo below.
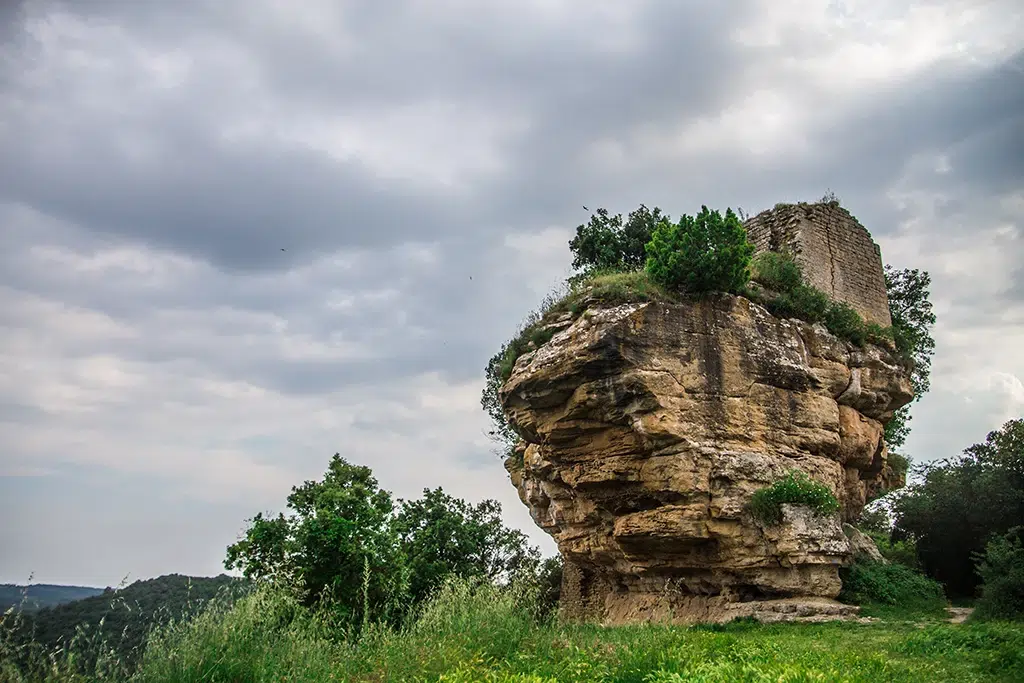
(265, 551)
(442, 535)
(702, 253)
(338, 545)
(609, 243)
(501, 431)
(1001, 568)
(961, 504)
(912, 321)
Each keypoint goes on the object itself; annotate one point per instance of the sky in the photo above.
(239, 237)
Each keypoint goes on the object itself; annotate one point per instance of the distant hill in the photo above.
(127, 613)
(38, 595)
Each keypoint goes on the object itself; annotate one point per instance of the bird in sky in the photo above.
(586, 209)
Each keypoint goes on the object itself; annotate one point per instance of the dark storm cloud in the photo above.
(144, 206)
(238, 205)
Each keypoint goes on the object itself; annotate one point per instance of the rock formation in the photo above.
(646, 429)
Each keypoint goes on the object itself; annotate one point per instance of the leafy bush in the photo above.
(895, 585)
(803, 302)
(793, 298)
(776, 271)
(843, 321)
(1001, 568)
(796, 488)
(901, 552)
(442, 536)
(347, 550)
(702, 253)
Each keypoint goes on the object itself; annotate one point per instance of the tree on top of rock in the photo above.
(703, 253)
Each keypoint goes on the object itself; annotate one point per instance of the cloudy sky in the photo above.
(238, 237)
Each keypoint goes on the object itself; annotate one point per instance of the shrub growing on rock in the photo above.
(776, 271)
(703, 253)
(843, 321)
(796, 488)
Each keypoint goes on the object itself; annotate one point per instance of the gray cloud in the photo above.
(423, 167)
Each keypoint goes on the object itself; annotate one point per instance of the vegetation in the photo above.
(39, 595)
(339, 535)
(703, 253)
(788, 296)
(899, 462)
(648, 257)
(472, 632)
(1001, 568)
(115, 622)
(875, 584)
(606, 244)
(442, 536)
(347, 550)
(912, 319)
(796, 488)
(961, 504)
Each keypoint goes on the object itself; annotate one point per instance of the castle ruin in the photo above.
(834, 250)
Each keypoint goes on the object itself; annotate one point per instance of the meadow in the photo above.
(481, 632)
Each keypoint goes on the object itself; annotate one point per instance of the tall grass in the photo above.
(480, 632)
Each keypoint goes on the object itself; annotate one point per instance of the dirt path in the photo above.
(958, 615)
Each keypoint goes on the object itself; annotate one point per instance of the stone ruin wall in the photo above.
(835, 251)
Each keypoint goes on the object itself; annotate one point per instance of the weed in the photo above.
(796, 488)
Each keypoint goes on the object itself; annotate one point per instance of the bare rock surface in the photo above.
(646, 429)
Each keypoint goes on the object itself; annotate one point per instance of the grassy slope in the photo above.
(487, 636)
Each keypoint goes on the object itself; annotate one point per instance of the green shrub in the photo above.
(894, 585)
(901, 552)
(877, 334)
(803, 302)
(843, 321)
(794, 298)
(1001, 568)
(702, 253)
(776, 271)
(796, 488)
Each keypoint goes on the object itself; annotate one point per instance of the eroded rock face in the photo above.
(647, 427)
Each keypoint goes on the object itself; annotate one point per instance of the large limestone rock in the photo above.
(646, 429)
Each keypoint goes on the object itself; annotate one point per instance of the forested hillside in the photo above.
(127, 614)
(39, 595)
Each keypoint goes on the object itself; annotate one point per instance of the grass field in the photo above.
(488, 635)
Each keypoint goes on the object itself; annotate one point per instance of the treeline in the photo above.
(962, 523)
(117, 620)
(347, 549)
(39, 595)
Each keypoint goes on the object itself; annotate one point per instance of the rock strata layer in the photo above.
(647, 428)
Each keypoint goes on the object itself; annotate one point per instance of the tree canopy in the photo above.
(346, 546)
(608, 243)
(963, 503)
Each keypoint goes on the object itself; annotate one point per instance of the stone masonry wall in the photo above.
(835, 251)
